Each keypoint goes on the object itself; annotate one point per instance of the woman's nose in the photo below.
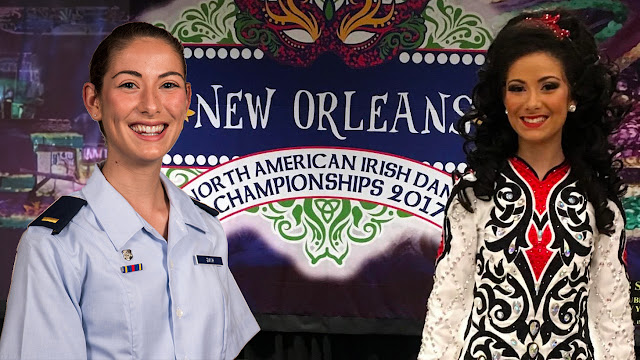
(149, 102)
(533, 101)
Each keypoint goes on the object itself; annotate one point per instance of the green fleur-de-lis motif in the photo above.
(450, 27)
(327, 227)
(210, 22)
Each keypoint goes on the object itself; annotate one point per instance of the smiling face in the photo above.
(143, 101)
(537, 98)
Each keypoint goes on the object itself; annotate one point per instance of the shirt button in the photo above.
(171, 264)
(179, 313)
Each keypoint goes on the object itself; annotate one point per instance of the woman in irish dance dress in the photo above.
(532, 258)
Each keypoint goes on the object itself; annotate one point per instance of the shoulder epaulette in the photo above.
(206, 208)
(59, 214)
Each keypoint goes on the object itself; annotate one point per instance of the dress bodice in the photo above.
(527, 275)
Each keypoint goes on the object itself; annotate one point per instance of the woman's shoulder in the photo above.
(61, 224)
(463, 182)
(59, 214)
(462, 191)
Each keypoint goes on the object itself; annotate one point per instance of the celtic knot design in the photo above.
(327, 226)
(327, 208)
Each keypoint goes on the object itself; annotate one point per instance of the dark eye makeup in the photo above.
(515, 88)
(550, 85)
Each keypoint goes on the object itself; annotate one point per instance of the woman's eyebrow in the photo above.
(130, 72)
(137, 74)
(169, 73)
(548, 77)
(542, 79)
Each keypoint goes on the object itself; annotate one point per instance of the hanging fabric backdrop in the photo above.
(321, 130)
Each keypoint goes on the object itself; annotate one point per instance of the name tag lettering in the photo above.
(204, 259)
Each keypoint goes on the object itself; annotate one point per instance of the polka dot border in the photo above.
(213, 160)
(233, 53)
(442, 58)
(417, 57)
(448, 167)
(195, 160)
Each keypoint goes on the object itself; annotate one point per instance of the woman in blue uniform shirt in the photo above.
(129, 267)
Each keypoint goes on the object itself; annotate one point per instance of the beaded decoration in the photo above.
(551, 22)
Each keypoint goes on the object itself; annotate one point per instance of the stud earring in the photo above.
(506, 111)
(572, 108)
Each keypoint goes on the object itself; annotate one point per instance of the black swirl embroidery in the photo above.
(507, 292)
(509, 217)
(572, 223)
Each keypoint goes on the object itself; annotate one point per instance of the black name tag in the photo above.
(204, 259)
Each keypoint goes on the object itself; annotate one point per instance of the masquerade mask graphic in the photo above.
(363, 33)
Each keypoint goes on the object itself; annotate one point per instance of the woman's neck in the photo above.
(541, 159)
(143, 190)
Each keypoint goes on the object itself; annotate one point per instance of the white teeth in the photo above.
(539, 119)
(147, 130)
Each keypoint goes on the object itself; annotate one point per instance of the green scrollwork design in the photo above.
(327, 226)
(251, 35)
(181, 176)
(631, 206)
(411, 37)
(212, 22)
(450, 27)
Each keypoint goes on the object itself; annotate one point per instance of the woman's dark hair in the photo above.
(489, 139)
(119, 38)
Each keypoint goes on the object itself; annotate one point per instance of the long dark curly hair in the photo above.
(490, 141)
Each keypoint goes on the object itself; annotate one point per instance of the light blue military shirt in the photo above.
(75, 295)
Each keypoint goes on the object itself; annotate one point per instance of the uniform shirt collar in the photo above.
(120, 221)
(113, 212)
(182, 207)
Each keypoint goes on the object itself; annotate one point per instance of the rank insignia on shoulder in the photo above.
(59, 214)
(206, 208)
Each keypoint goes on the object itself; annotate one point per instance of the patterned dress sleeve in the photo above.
(450, 301)
(608, 307)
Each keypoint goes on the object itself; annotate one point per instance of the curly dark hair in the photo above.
(490, 141)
